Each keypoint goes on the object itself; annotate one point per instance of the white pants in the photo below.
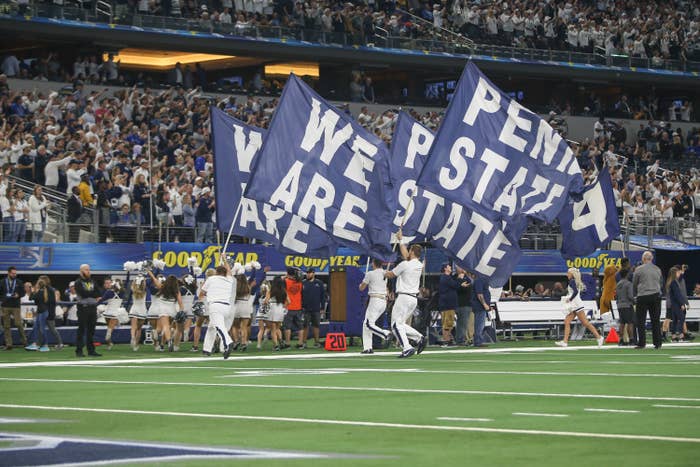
(219, 324)
(403, 307)
(375, 308)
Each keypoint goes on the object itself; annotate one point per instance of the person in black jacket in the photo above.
(447, 299)
(86, 289)
(674, 295)
(313, 299)
(75, 210)
(11, 290)
(43, 297)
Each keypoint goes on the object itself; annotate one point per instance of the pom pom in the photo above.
(129, 266)
(197, 271)
(248, 267)
(192, 261)
(237, 269)
(159, 264)
(256, 265)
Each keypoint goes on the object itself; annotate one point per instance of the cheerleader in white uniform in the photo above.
(573, 307)
(183, 321)
(154, 309)
(243, 312)
(138, 311)
(202, 319)
(110, 306)
(169, 302)
(263, 314)
(278, 301)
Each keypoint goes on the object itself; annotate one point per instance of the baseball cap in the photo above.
(310, 270)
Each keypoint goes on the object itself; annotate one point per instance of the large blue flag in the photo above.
(588, 224)
(236, 146)
(497, 158)
(319, 163)
(489, 248)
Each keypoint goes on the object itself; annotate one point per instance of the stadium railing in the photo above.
(433, 42)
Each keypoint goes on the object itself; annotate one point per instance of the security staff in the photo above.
(11, 289)
(86, 289)
(313, 299)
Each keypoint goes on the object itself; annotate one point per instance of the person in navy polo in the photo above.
(313, 299)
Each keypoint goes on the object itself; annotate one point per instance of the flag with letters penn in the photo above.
(466, 236)
(236, 146)
(588, 224)
(319, 163)
(497, 158)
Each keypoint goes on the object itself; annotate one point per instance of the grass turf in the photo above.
(423, 390)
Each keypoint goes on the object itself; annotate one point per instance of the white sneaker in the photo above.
(561, 344)
(600, 341)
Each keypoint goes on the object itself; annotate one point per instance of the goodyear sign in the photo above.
(602, 259)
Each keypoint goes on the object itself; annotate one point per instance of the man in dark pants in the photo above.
(75, 210)
(647, 283)
(11, 289)
(313, 297)
(481, 304)
(87, 292)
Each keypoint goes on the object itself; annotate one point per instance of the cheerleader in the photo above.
(138, 311)
(168, 301)
(243, 311)
(188, 290)
(154, 309)
(263, 315)
(573, 307)
(202, 319)
(278, 301)
(110, 305)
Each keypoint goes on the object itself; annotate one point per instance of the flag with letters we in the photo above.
(320, 164)
(236, 145)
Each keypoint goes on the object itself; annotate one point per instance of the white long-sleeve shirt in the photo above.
(51, 170)
(73, 177)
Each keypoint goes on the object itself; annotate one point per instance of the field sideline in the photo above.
(509, 404)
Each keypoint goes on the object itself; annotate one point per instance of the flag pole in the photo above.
(230, 230)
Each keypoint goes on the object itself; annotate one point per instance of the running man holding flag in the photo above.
(407, 274)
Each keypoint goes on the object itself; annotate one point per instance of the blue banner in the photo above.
(36, 258)
(497, 158)
(236, 145)
(588, 224)
(320, 164)
(474, 242)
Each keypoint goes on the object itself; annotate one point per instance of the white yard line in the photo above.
(311, 356)
(677, 406)
(610, 410)
(321, 421)
(357, 388)
(460, 419)
(535, 414)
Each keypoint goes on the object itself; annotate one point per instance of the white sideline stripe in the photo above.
(533, 414)
(677, 406)
(611, 410)
(358, 388)
(329, 355)
(460, 419)
(318, 421)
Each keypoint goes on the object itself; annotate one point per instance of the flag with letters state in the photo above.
(320, 164)
(236, 146)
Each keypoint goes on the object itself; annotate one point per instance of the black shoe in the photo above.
(367, 352)
(284, 345)
(227, 352)
(77, 354)
(236, 345)
(300, 346)
(94, 354)
(206, 354)
(421, 346)
(407, 353)
(481, 345)
(244, 348)
(657, 347)
(276, 348)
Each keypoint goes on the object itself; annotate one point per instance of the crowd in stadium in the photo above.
(143, 157)
(657, 30)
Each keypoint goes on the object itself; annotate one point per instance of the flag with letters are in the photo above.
(320, 164)
(236, 146)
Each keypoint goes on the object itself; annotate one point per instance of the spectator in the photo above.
(678, 303)
(203, 217)
(646, 284)
(75, 211)
(7, 210)
(21, 215)
(38, 206)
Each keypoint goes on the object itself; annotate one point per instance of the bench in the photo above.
(537, 315)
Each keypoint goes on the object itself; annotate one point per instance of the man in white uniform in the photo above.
(376, 282)
(407, 276)
(218, 289)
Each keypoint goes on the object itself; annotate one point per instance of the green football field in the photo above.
(511, 404)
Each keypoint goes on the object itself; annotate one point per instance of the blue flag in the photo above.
(236, 146)
(474, 242)
(319, 163)
(588, 224)
(497, 158)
